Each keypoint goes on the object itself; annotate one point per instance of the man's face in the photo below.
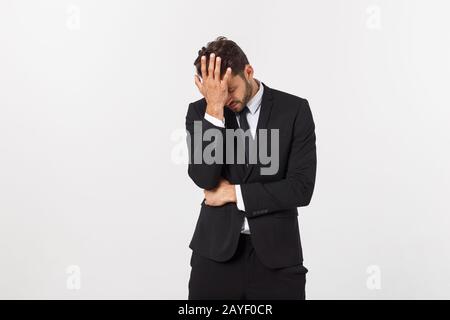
(240, 92)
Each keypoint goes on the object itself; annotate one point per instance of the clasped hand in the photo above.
(224, 192)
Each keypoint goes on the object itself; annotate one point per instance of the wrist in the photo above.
(215, 111)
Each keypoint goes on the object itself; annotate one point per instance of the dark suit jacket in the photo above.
(270, 201)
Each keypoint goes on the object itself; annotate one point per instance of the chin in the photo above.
(235, 108)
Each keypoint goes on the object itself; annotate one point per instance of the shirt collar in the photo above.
(255, 102)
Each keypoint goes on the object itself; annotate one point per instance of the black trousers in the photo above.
(244, 277)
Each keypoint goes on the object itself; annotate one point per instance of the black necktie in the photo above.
(243, 123)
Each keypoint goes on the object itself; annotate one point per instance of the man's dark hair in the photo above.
(230, 53)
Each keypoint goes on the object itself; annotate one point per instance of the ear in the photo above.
(248, 71)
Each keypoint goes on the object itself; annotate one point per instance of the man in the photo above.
(246, 244)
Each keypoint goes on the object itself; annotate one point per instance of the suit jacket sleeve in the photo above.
(296, 189)
(206, 176)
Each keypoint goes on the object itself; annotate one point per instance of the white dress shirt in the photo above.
(254, 105)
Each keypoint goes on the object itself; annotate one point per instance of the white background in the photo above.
(93, 98)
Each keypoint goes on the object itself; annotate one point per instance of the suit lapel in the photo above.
(263, 120)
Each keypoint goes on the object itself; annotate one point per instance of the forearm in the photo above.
(265, 198)
(203, 169)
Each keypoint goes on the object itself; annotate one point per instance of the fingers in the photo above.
(206, 197)
(211, 66)
(204, 75)
(227, 75)
(217, 70)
